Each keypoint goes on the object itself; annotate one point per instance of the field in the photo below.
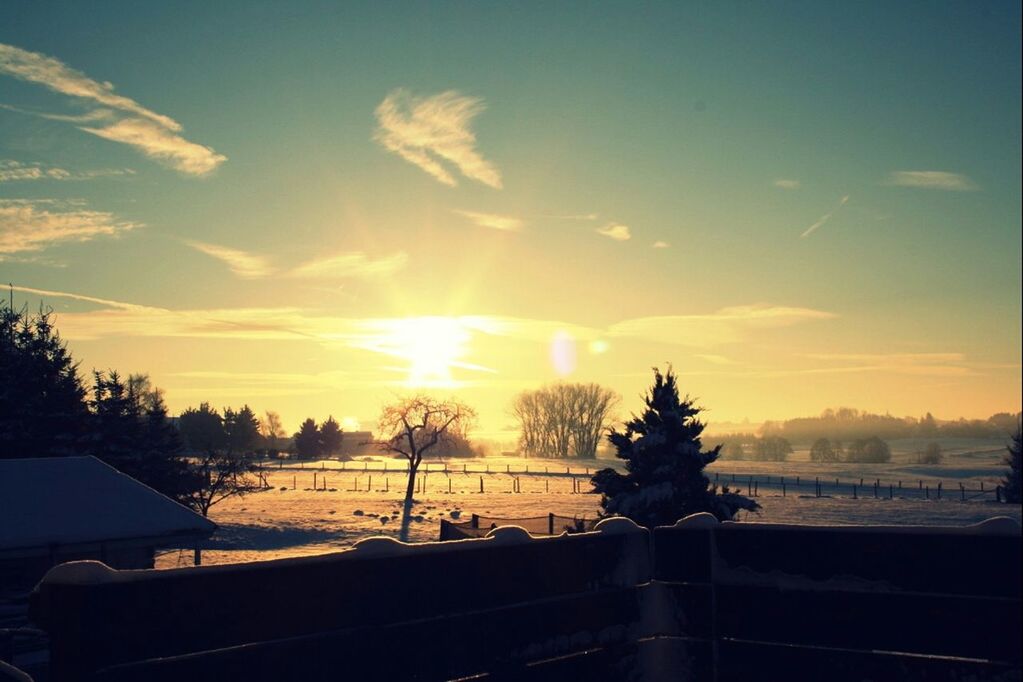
(353, 500)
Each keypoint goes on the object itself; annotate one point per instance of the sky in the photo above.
(316, 208)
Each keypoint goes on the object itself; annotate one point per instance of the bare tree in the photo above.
(563, 420)
(411, 427)
(272, 430)
(218, 476)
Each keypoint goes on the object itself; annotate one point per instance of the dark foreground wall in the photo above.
(697, 601)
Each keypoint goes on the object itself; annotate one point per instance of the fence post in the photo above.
(962, 492)
(783, 486)
(449, 485)
(877, 484)
(475, 520)
(854, 491)
(294, 482)
(481, 484)
(939, 490)
(550, 523)
(314, 481)
(891, 492)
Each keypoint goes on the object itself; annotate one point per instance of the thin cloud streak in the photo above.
(355, 264)
(123, 119)
(13, 171)
(824, 218)
(493, 220)
(427, 130)
(787, 184)
(939, 180)
(349, 265)
(58, 77)
(37, 225)
(161, 144)
(241, 263)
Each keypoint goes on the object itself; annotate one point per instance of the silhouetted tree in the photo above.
(331, 437)
(307, 440)
(563, 420)
(1011, 483)
(412, 427)
(202, 429)
(664, 479)
(822, 451)
(241, 430)
(131, 432)
(272, 431)
(771, 449)
(43, 410)
(216, 470)
(931, 454)
(871, 450)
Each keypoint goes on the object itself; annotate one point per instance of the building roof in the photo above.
(81, 500)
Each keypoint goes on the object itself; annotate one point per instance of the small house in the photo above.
(59, 509)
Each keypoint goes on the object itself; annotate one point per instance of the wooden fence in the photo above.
(697, 601)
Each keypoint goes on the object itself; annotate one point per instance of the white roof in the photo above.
(71, 500)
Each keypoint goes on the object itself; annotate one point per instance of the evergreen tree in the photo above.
(43, 409)
(202, 429)
(241, 430)
(307, 440)
(131, 432)
(664, 479)
(330, 437)
(1011, 483)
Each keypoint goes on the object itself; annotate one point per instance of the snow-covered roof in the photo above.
(74, 500)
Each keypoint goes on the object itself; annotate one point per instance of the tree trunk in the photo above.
(406, 513)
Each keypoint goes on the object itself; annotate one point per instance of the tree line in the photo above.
(849, 424)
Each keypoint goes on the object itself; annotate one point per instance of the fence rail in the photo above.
(699, 600)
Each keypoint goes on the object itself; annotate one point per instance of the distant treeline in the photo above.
(848, 424)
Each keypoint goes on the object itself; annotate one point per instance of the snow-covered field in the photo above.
(290, 518)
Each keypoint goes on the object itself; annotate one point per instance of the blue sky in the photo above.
(848, 172)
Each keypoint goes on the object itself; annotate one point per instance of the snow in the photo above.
(69, 500)
(301, 522)
(699, 520)
(508, 535)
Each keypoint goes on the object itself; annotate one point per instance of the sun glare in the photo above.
(431, 346)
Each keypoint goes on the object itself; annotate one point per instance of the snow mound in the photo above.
(698, 520)
(80, 573)
(379, 545)
(997, 525)
(509, 535)
(617, 525)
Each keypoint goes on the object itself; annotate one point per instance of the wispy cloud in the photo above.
(428, 130)
(245, 265)
(615, 231)
(782, 183)
(11, 171)
(940, 180)
(824, 218)
(715, 359)
(493, 220)
(36, 225)
(724, 326)
(573, 216)
(928, 364)
(125, 120)
(347, 265)
(355, 264)
(660, 244)
(161, 144)
(55, 75)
